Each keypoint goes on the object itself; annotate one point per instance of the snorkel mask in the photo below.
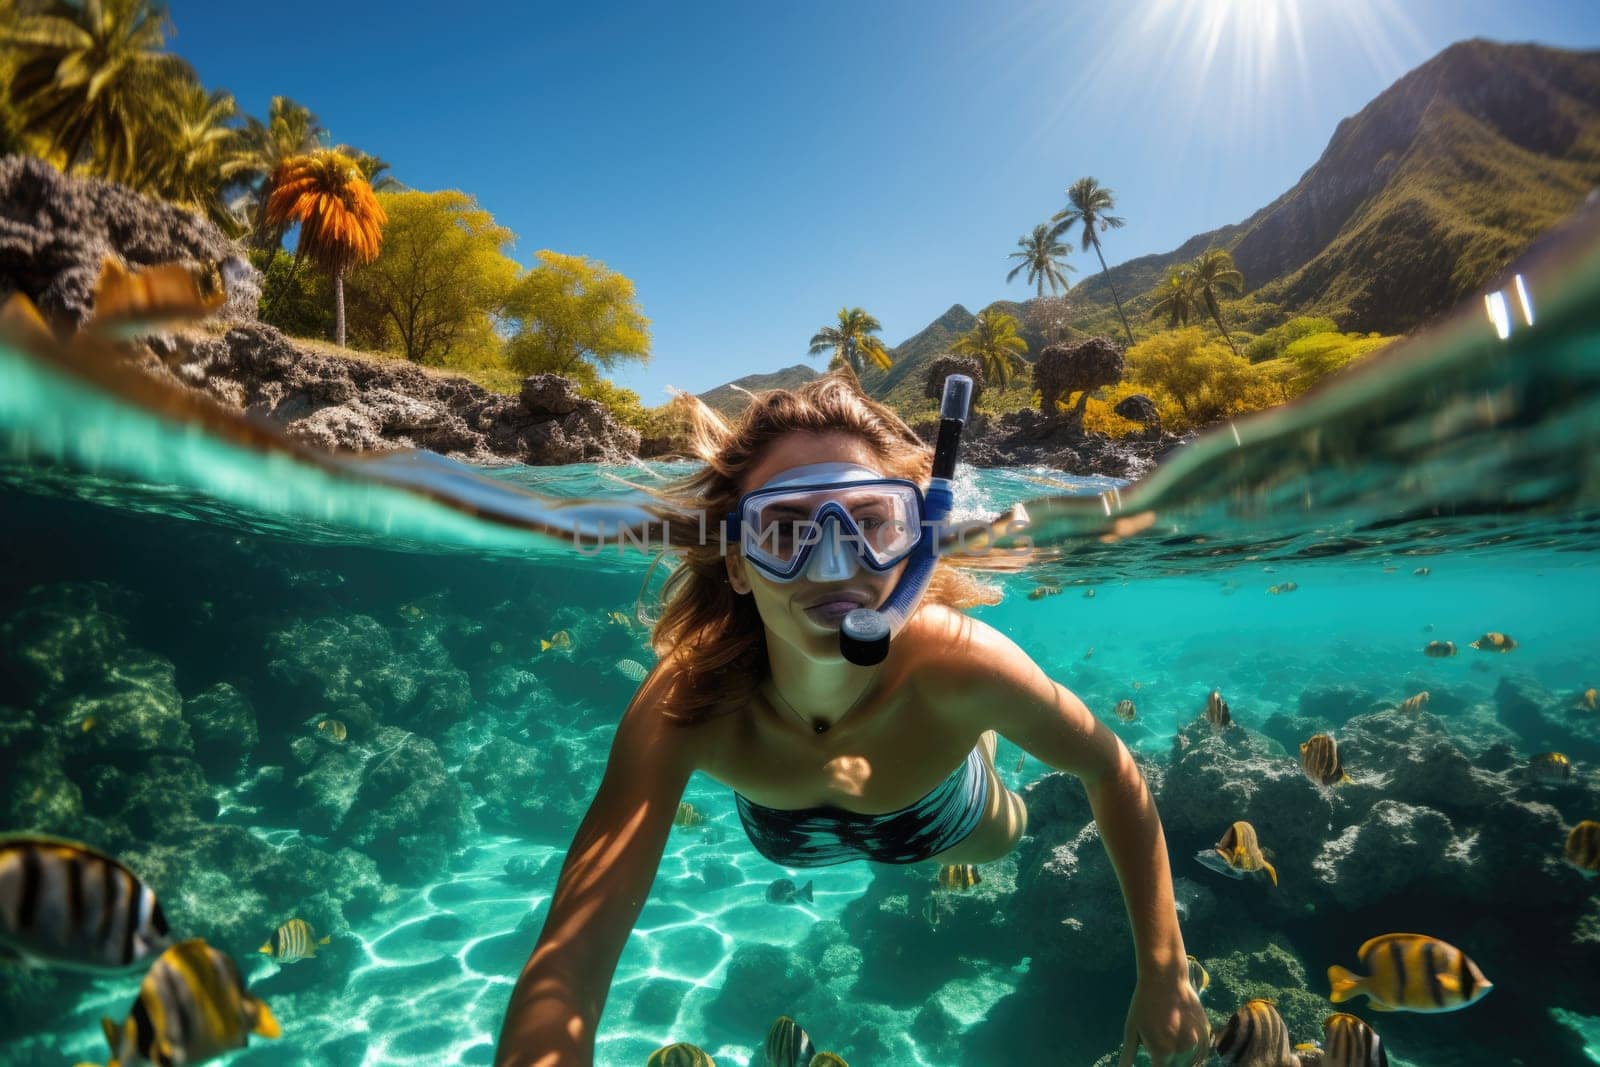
(822, 520)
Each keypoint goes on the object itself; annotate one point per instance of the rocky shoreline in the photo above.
(55, 231)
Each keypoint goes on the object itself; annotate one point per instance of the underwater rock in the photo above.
(506, 776)
(223, 725)
(1260, 963)
(60, 637)
(658, 1001)
(763, 982)
(719, 874)
(335, 664)
(523, 871)
(1196, 903)
(324, 794)
(55, 231)
(227, 885)
(1394, 848)
(1217, 778)
(163, 798)
(409, 811)
(134, 706)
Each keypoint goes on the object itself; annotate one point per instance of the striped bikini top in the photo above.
(822, 836)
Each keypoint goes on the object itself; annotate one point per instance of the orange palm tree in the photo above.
(341, 221)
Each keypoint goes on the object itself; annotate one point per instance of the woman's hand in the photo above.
(1167, 1019)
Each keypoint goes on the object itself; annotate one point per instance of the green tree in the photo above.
(1212, 270)
(852, 342)
(1044, 258)
(290, 130)
(1089, 204)
(1270, 345)
(87, 76)
(299, 303)
(1202, 378)
(183, 153)
(1175, 299)
(341, 221)
(442, 275)
(570, 312)
(994, 343)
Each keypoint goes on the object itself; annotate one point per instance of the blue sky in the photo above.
(753, 167)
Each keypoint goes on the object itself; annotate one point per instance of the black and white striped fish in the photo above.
(1349, 1042)
(1255, 1036)
(192, 1005)
(787, 1045)
(294, 940)
(62, 904)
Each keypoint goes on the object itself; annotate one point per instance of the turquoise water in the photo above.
(208, 603)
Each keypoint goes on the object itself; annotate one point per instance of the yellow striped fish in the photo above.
(687, 817)
(1238, 853)
(1217, 713)
(787, 1045)
(1415, 703)
(632, 670)
(959, 876)
(1439, 649)
(1494, 642)
(1254, 1036)
(62, 904)
(1589, 698)
(1411, 972)
(1308, 1054)
(827, 1059)
(1319, 759)
(619, 619)
(1126, 711)
(1583, 847)
(294, 940)
(192, 1005)
(1349, 1042)
(559, 639)
(1198, 978)
(682, 1054)
(142, 299)
(333, 728)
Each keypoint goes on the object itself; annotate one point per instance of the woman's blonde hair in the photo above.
(715, 632)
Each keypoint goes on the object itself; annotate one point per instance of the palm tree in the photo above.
(290, 130)
(372, 168)
(1090, 203)
(1044, 258)
(341, 221)
(1176, 299)
(852, 343)
(184, 157)
(87, 75)
(994, 343)
(1212, 270)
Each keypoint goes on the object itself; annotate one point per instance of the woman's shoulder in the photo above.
(944, 646)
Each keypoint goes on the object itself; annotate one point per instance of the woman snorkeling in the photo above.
(831, 760)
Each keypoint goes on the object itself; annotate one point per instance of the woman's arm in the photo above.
(610, 866)
(993, 684)
(990, 683)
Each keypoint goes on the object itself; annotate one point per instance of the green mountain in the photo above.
(727, 400)
(1418, 201)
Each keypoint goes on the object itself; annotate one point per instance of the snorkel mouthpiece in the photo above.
(865, 633)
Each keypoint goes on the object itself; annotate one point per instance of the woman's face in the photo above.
(799, 612)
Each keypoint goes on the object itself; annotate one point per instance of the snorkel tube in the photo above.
(865, 633)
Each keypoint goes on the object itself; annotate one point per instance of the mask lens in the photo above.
(782, 526)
